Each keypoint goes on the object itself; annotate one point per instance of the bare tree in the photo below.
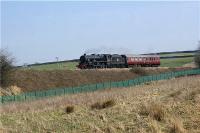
(6, 67)
(197, 57)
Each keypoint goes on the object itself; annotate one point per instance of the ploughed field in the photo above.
(169, 106)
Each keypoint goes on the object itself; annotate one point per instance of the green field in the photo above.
(176, 54)
(56, 66)
(177, 62)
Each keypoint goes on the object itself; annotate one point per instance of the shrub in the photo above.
(108, 103)
(6, 68)
(197, 57)
(105, 104)
(69, 109)
(138, 70)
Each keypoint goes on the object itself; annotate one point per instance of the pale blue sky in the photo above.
(40, 31)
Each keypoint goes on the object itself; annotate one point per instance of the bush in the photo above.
(108, 103)
(69, 109)
(6, 67)
(197, 57)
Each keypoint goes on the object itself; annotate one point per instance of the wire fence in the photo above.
(93, 87)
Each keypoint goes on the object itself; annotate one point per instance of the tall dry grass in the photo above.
(165, 108)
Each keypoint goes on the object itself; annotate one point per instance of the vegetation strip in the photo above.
(94, 87)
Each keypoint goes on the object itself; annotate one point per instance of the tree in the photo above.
(197, 57)
(6, 67)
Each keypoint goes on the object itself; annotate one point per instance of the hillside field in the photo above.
(168, 106)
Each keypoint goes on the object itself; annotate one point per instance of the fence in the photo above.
(94, 87)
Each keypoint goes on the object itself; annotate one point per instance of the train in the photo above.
(93, 61)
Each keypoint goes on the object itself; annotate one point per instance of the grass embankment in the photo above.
(34, 80)
(170, 106)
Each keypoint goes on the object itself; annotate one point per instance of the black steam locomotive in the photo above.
(102, 61)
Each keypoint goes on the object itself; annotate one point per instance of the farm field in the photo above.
(169, 106)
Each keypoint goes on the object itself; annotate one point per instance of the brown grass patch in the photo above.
(154, 127)
(175, 94)
(192, 94)
(176, 126)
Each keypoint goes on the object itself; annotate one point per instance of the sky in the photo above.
(41, 31)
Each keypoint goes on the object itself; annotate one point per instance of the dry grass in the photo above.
(165, 109)
(11, 90)
(176, 126)
(154, 110)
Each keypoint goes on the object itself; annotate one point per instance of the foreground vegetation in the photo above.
(165, 106)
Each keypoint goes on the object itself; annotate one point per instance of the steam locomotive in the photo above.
(117, 61)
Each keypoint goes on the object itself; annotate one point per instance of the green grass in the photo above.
(56, 66)
(176, 62)
(176, 54)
